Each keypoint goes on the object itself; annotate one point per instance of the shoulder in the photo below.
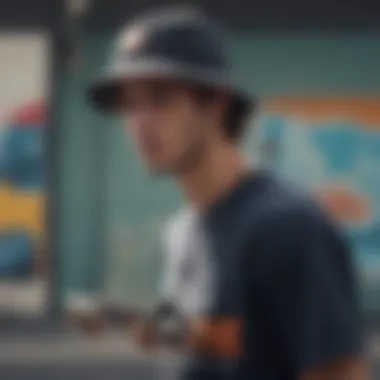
(295, 238)
(286, 220)
(296, 226)
(286, 207)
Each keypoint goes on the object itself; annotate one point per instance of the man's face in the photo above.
(169, 125)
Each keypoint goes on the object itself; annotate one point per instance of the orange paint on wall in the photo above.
(365, 111)
(344, 204)
(22, 210)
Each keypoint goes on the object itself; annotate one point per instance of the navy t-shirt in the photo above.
(285, 272)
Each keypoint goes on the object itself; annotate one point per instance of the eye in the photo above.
(162, 95)
(131, 105)
(126, 103)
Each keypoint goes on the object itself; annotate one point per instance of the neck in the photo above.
(219, 170)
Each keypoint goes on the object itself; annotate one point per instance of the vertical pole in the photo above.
(58, 55)
(66, 55)
(99, 223)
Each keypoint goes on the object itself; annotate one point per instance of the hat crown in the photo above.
(182, 36)
(179, 44)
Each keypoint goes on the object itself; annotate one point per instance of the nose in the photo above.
(142, 117)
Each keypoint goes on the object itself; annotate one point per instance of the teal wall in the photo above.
(111, 211)
(319, 64)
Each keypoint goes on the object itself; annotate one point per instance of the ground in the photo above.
(43, 351)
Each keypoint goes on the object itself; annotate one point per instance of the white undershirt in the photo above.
(188, 275)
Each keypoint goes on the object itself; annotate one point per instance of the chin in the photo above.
(159, 170)
(162, 168)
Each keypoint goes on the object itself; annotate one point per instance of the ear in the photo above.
(222, 108)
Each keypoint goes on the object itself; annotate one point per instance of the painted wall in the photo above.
(23, 70)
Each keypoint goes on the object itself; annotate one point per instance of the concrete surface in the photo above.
(50, 352)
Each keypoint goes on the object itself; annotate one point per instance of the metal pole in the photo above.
(65, 38)
(53, 144)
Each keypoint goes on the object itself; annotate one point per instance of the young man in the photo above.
(262, 275)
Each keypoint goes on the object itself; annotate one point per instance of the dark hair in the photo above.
(235, 117)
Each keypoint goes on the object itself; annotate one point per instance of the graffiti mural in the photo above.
(21, 191)
(331, 146)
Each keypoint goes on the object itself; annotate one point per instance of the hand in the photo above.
(90, 324)
(146, 336)
(220, 338)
